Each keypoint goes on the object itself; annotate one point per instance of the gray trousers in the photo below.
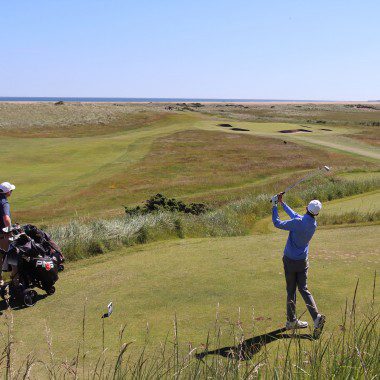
(296, 276)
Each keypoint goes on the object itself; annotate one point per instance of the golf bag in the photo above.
(38, 262)
(47, 243)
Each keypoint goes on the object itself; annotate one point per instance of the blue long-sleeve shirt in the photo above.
(4, 210)
(301, 229)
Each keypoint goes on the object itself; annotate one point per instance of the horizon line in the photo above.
(167, 99)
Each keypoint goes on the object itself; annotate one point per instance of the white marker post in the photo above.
(104, 316)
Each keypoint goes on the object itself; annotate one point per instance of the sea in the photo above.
(146, 100)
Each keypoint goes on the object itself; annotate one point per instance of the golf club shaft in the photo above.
(310, 175)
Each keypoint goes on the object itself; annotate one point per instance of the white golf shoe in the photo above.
(319, 322)
(296, 325)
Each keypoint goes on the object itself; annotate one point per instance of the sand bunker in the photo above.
(295, 130)
(240, 129)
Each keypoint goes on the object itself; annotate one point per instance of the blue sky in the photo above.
(275, 49)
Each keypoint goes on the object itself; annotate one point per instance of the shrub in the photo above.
(160, 202)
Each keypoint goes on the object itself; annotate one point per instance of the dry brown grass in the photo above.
(74, 119)
(198, 165)
(369, 136)
(79, 119)
(191, 162)
(342, 114)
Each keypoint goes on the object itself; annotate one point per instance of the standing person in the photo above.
(296, 264)
(6, 189)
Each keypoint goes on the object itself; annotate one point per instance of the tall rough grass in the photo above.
(350, 217)
(82, 239)
(79, 240)
(349, 351)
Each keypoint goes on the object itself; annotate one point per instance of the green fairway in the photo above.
(360, 203)
(53, 171)
(150, 285)
(63, 169)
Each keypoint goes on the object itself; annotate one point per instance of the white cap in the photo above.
(314, 207)
(6, 187)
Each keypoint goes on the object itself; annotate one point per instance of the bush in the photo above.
(160, 202)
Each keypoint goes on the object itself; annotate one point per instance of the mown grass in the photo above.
(59, 178)
(80, 239)
(234, 277)
(87, 160)
(350, 352)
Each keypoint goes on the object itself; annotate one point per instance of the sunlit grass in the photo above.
(352, 351)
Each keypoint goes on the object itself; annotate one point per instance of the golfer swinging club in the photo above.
(301, 230)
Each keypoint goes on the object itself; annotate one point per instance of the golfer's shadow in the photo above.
(250, 347)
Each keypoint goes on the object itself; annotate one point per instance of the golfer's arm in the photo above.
(7, 221)
(288, 225)
(289, 211)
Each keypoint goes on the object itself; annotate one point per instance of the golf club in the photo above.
(310, 175)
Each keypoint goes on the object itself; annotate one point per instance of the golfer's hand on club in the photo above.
(277, 199)
(274, 200)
